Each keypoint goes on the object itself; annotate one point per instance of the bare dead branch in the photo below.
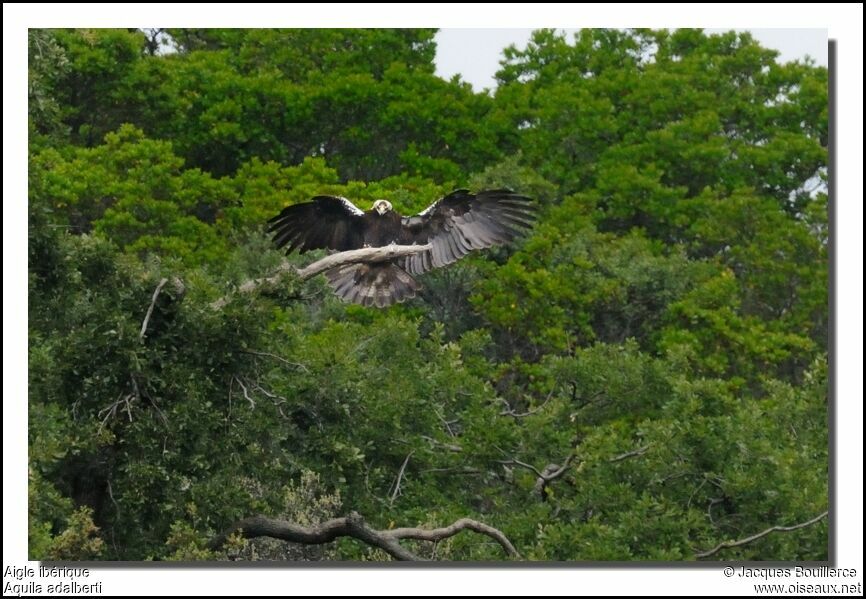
(515, 462)
(254, 284)
(449, 446)
(354, 526)
(714, 501)
(126, 399)
(445, 422)
(110, 410)
(229, 413)
(760, 535)
(377, 254)
(111, 495)
(138, 395)
(246, 393)
(397, 482)
(509, 411)
(552, 471)
(159, 287)
(419, 534)
(270, 395)
(695, 491)
(543, 477)
(631, 454)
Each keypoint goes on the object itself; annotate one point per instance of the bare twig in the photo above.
(246, 392)
(229, 414)
(515, 462)
(113, 500)
(159, 287)
(760, 535)
(552, 471)
(273, 397)
(110, 410)
(631, 454)
(509, 411)
(448, 446)
(543, 477)
(446, 423)
(254, 284)
(270, 394)
(714, 501)
(151, 400)
(695, 491)
(126, 399)
(397, 482)
(354, 526)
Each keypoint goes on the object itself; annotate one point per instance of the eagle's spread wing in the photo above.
(461, 222)
(328, 222)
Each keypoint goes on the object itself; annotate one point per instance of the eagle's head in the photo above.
(382, 206)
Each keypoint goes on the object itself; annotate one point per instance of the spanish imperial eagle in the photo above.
(453, 226)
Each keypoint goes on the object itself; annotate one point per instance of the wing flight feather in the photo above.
(325, 222)
(461, 222)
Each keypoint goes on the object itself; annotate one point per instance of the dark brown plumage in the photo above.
(454, 226)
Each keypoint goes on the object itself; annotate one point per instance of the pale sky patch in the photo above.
(475, 53)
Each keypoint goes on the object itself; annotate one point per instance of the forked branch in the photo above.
(354, 526)
(544, 477)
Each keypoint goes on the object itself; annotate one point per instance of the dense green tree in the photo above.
(366, 100)
(48, 63)
(305, 54)
(643, 378)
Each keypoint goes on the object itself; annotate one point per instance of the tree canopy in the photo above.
(643, 378)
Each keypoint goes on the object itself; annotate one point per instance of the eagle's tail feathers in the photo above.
(377, 285)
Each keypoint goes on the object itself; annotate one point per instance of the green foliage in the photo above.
(79, 541)
(659, 341)
(78, 537)
(367, 100)
(48, 63)
(303, 54)
(95, 88)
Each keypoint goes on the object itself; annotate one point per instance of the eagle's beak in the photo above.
(382, 208)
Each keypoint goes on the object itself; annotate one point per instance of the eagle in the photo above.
(453, 226)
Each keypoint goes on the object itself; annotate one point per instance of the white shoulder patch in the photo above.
(429, 208)
(351, 207)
